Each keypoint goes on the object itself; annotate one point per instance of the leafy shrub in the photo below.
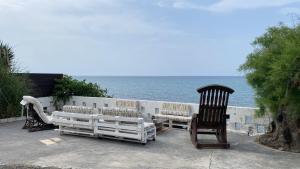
(273, 70)
(67, 87)
(12, 86)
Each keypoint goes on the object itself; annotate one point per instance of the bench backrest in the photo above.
(115, 111)
(79, 109)
(127, 104)
(176, 109)
(124, 108)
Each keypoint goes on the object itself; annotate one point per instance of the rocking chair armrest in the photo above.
(194, 115)
(153, 118)
(227, 116)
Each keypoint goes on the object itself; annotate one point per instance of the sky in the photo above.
(138, 37)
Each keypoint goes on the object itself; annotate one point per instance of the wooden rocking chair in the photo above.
(211, 118)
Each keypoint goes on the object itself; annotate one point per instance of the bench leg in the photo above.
(170, 124)
(189, 126)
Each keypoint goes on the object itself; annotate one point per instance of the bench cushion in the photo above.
(148, 125)
(175, 113)
(175, 118)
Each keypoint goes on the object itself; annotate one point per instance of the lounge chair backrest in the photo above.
(176, 109)
(213, 105)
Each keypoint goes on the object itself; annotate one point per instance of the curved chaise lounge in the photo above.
(36, 118)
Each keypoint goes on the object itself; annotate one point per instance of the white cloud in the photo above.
(49, 34)
(78, 16)
(290, 11)
(226, 5)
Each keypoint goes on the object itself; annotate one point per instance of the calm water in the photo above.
(179, 89)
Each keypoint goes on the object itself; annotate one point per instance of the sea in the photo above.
(172, 88)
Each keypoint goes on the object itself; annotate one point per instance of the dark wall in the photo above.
(42, 84)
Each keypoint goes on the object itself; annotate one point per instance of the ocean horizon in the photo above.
(172, 88)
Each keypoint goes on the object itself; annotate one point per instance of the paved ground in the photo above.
(172, 149)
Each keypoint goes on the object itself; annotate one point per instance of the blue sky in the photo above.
(138, 37)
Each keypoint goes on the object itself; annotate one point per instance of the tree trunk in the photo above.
(284, 134)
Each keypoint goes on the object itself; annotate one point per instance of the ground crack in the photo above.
(210, 159)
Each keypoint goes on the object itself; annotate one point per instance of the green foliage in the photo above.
(6, 56)
(273, 70)
(67, 87)
(12, 86)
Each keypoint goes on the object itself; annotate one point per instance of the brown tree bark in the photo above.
(283, 135)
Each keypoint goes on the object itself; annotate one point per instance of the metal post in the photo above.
(26, 111)
(22, 113)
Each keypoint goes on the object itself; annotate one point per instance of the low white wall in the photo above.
(47, 102)
(241, 118)
(11, 119)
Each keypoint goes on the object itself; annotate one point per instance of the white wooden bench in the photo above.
(124, 122)
(74, 123)
(127, 125)
(75, 120)
(175, 115)
(124, 128)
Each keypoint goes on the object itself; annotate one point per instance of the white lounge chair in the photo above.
(36, 118)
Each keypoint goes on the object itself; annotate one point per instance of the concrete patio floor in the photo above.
(172, 149)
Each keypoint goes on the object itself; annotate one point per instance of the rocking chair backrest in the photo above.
(213, 105)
